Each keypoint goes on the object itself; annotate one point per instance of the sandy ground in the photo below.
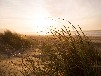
(17, 66)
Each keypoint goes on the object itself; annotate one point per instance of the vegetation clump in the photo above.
(13, 43)
(70, 55)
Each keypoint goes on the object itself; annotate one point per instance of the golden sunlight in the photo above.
(41, 21)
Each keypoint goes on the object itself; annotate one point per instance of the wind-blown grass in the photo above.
(70, 55)
(61, 54)
(64, 54)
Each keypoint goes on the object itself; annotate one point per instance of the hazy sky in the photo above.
(23, 15)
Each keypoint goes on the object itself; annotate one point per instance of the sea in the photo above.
(89, 32)
(93, 33)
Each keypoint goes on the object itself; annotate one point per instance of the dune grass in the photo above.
(64, 54)
(13, 43)
(70, 55)
(61, 54)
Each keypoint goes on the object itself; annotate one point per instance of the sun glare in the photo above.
(41, 21)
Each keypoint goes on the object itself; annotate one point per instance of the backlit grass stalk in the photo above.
(73, 54)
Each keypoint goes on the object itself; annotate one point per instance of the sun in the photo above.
(41, 21)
